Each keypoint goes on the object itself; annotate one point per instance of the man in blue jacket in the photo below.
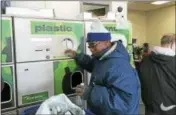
(114, 87)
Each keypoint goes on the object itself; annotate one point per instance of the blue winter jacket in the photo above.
(114, 87)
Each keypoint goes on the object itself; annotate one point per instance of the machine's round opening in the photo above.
(76, 79)
(6, 93)
(68, 43)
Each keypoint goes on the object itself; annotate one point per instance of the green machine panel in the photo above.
(46, 39)
(8, 100)
(67, 75)
(38, 81)
(6, 41)
(35, 82)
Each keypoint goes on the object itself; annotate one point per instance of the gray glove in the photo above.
(86, 91)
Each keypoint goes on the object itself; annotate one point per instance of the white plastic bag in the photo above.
(59, 104)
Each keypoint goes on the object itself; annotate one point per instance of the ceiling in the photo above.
(146, 5)
(132, 5)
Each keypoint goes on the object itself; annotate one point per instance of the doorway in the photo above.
(96, 9)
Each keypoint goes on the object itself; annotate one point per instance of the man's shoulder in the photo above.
(116, 63)
(118, 66)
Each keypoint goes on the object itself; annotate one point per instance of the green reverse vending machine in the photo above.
(43, 70)
(8, 95)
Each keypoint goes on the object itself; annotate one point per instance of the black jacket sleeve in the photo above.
(85, 61)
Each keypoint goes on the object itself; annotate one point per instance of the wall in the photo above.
(71, 8)
(115, 4)
(28, 4)
(147, 26)
(150, 26)
(92, 7)
(65, 9)
(97, 2)
(159, 22)
(139, 23)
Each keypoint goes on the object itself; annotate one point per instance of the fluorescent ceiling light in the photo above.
(159, 2)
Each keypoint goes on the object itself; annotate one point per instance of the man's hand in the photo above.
(83, 91)
(70, 53)
(79, 90)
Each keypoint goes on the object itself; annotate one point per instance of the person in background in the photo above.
(158, 78)
(146, 49)
(114, 87)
